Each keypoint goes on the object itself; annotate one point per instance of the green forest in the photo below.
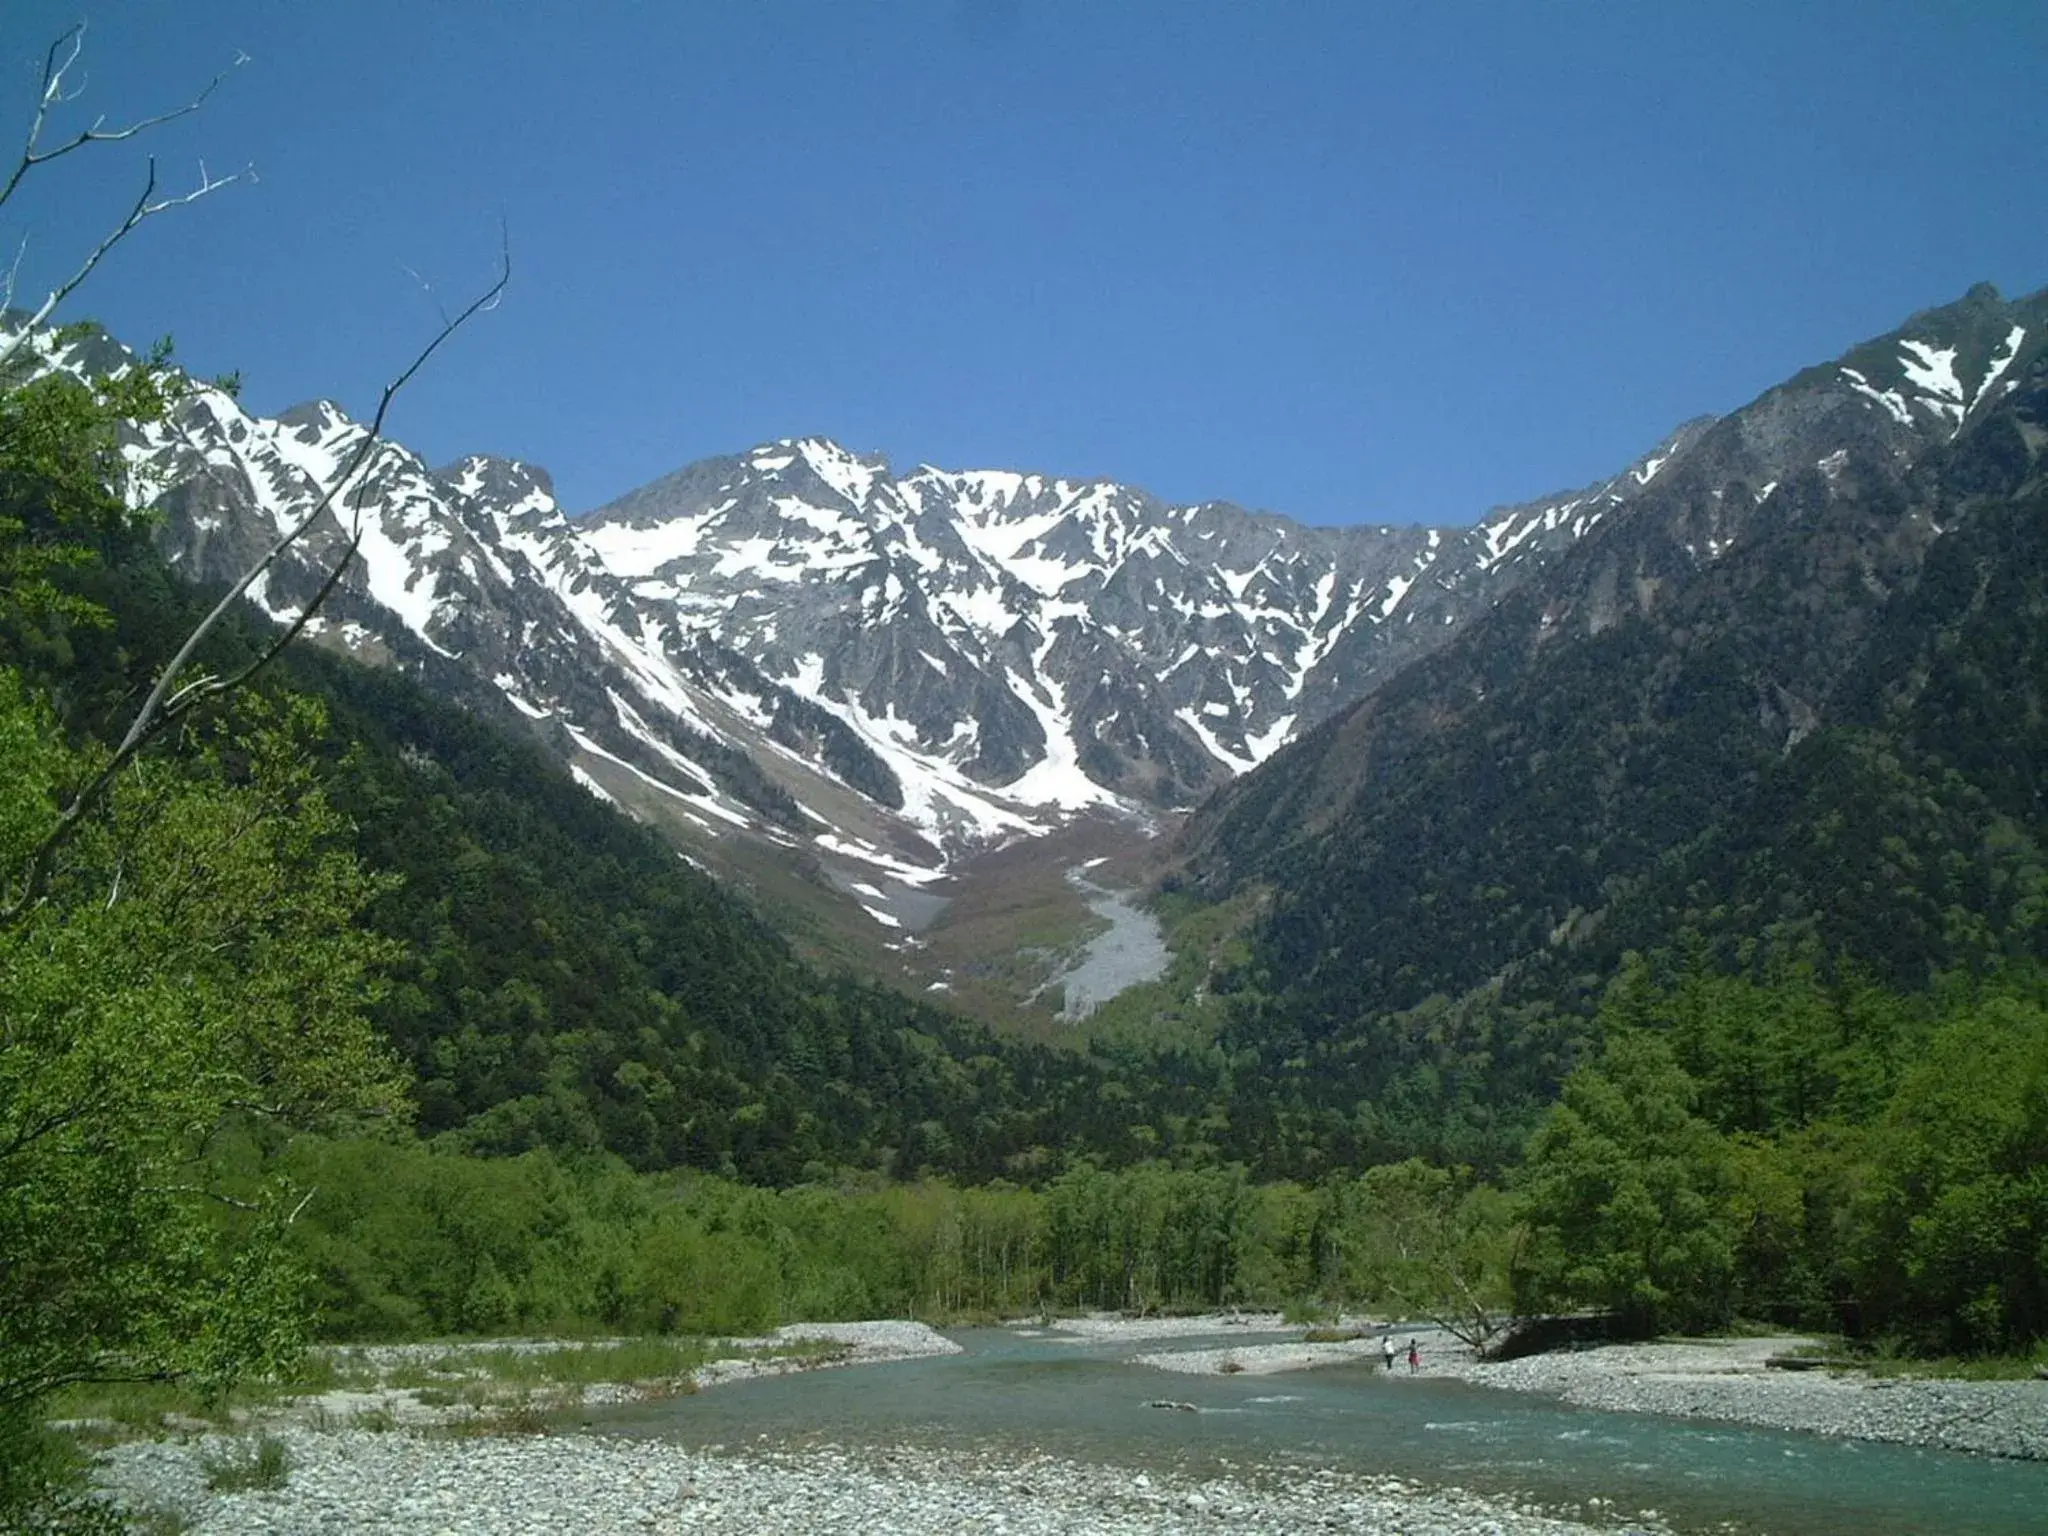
(329, 1011)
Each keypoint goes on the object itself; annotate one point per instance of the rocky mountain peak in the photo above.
(503, 482)
(870, 673)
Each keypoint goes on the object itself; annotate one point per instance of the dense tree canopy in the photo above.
(1627, 1195)
(193, 964)
(1956, 1251)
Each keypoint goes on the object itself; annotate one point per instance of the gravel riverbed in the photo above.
(416, 1479)
(414, 1485)
(1728, 1379)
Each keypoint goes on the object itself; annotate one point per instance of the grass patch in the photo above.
(1887, 1360)
(146, 1407)
(514, 1419)
(1955, 1368)
(455, 1373)
(423, 1376)
(1747, 1328)
(134, 1406)
(1332, 1335)
(445, 1376)
(328, 1368)
(242, 1468)
(586, 1364)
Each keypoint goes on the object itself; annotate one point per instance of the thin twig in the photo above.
(69, 44)
(13, 273)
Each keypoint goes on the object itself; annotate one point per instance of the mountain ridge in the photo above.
(1824, 434)
(876, 673)
(870, 676)
(1788, 724)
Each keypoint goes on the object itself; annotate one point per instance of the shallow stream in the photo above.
(1077, 1399)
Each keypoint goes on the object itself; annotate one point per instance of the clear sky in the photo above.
(1346, 261)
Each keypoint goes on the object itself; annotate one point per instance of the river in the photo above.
(1079, 1399)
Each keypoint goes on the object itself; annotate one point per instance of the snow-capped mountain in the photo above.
(980, 649)
(880, 672)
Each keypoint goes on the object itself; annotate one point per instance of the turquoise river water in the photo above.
(1079, 1400)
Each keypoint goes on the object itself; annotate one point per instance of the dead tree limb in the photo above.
(146, 207)
(51, 93)
(57, 64)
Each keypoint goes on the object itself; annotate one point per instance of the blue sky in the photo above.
(1350, 262)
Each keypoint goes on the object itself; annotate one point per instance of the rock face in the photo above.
(1615, 747)
(878, 672)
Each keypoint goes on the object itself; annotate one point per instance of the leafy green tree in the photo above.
(1954, 1250)
(1429, 1242)
(1626, 1196)
(176, 954)
(190, 965)
(60, 474)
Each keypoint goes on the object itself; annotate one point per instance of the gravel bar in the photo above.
(1112, 1325)
(1725, 1379)
(416, 1485)
(1262, 1359)
(1728, 1379)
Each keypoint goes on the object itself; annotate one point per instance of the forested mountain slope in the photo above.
(1793, 696)
(560, 977)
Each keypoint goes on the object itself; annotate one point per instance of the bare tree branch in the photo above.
(153, 715)
(167, 703)
(146, 207)
(13, 272)
(427, 288)
(56, 64)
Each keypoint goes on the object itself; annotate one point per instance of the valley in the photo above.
(485, 956)
(838, 687)
(816, 676)
(1635, 946)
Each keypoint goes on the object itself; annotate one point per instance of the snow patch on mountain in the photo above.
(1999, 364)
(1932, 370)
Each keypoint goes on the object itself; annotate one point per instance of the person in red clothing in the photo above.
(1414, 1358)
